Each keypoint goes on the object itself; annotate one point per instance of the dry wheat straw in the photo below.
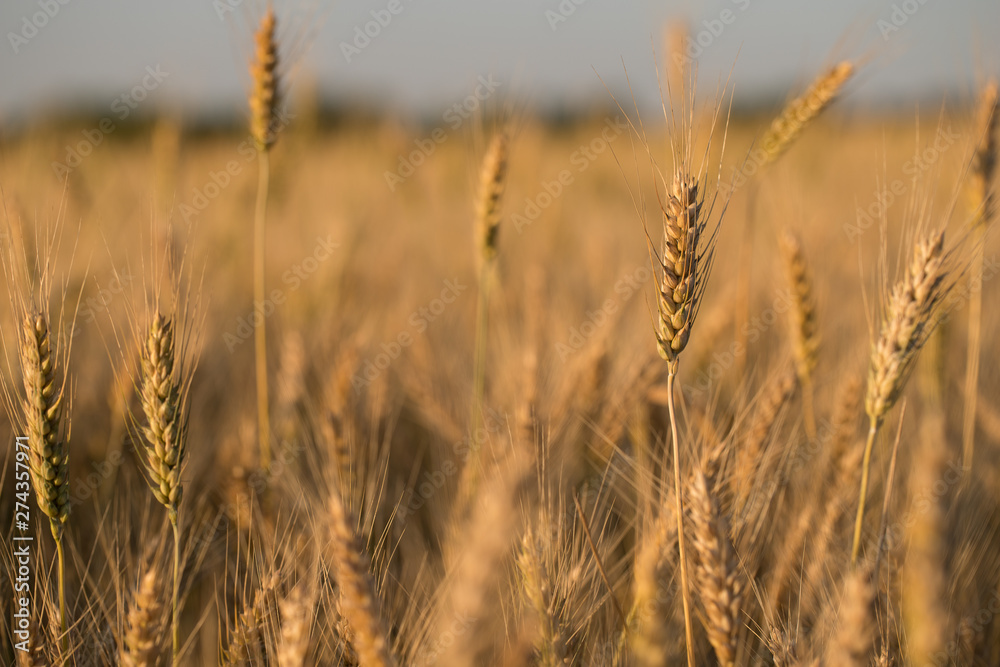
(716, 571)
(983, 205)
(49, 454)
(140, 647)
(264, 100)
(358, 599)
(909, 320)
(805, 332)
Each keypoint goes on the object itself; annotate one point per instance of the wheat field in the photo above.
(713, 387)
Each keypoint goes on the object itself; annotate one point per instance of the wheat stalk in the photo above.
(982, 203)
(264, 100)
(166, 435)
(805, 332)
(492, 182)
(716, 570)
(49, 454)
(685, 263)
(909, 320)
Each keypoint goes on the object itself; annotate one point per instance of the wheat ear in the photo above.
(653, 567)
(358, 599)
(492, 182)
(716, 570)
(805, 332)
(141, 646)
(264, 100)
(982, 202)
(685, 263)
(166, 433)
(537, 589)
(296, 617)
(852, 644)
(48, 451)
(910, 319)
(803, 110)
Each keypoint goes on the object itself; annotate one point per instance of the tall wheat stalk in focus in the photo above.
(909, 319)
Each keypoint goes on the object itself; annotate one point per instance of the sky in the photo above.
(422, 56)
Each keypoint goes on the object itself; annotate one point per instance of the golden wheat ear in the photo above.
(43, 396)
(492, 182)
(165, 431)
(265, 93)
(716, 570)
(141, 645)
(800, 112)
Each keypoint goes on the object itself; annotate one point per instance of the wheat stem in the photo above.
(174, 606)
(63, 623)
(865, 464)
(689, 642)
(260, 333)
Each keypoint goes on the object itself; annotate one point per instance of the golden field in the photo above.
(398, 524)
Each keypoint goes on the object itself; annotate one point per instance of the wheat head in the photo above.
(49, 456)
(265, 94)
(803, 110)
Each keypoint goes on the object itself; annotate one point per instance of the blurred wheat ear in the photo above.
(804, 329)
(982, 203)
(264, 101)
